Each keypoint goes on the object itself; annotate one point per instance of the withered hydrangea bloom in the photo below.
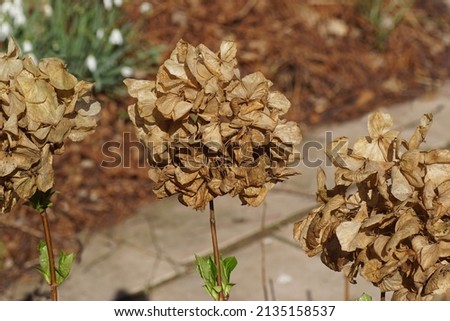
(387, 217)
(40, 105)
(210, 132)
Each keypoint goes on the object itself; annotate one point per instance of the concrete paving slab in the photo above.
(109, 266)
(155, 248)
(158, 243)
(182, 232)
(291, 275)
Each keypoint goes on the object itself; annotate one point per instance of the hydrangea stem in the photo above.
(215, 243)
(51, 258)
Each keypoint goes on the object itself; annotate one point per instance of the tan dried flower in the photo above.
(210, 132)
(394, 227)
(40, 105)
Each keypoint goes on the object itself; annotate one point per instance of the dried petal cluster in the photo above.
(210, 132)
(387, 217)
(40, 105)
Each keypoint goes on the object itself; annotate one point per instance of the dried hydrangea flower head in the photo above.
(394, 227)
(210, 132)
(40, 105)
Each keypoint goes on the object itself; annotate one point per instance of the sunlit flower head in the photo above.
(27, 46)
(126, 71)
(100, 33)
(91, 63)
(48, 10)
(116, 37)
(108, 4)
(5, 30)
(145, 7)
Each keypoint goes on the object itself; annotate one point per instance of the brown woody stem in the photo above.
(215, 244)
(51, 258)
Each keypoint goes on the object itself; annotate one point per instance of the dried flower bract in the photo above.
(210, 132)
(40, 105)
(387, 218)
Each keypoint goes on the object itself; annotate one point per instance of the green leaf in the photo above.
(44, 265)
(204, 267)
(64, 266)
(208, 272)
(364, 297)
(229, 264)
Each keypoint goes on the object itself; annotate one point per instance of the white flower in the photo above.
(6, 6)
(27, 46)
(19, 18)
(145, 7)
(91, 63)
(100, 33)
(118, 3)
(5, 31)
(126, 71)
(48, 10)
(108, 4)
(116, 37)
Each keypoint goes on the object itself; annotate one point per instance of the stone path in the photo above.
(152, 252)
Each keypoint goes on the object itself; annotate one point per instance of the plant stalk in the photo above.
(215, 244)
(51, 258)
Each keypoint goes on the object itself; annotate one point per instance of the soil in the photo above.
(323, 55)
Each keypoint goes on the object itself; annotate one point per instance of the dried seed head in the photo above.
(210, 132)
(40, 105)
(394, 228)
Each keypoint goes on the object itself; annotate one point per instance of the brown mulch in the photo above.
(321, 56)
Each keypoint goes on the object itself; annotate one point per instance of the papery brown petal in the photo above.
(379, 246)
(184, 177)
(135, 86)
(428, 256)
(444, 248)
(24, 185)
(10, 66)
(400, 185)
(45, 178)
(379, 123)
(10, 126)
(346, 233)
(278, 101)
(227, 54)
(391, 283)
(439, 282)
(437, 174)
(154, 174)
(59, 77)
(260, 120)
(421, 131)
(403, 295)
(437, 156)
(212, 137)
(321, 178)
(407, 225)
(288, 132)
(7, 164)
(409, 164)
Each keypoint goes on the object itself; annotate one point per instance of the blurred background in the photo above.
(334, 60)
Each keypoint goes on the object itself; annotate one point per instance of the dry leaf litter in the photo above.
(41, 105)
(210, 132)
(387, 218)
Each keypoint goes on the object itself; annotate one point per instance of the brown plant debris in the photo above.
(40, 105)
(210, 132)
(388, 215)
